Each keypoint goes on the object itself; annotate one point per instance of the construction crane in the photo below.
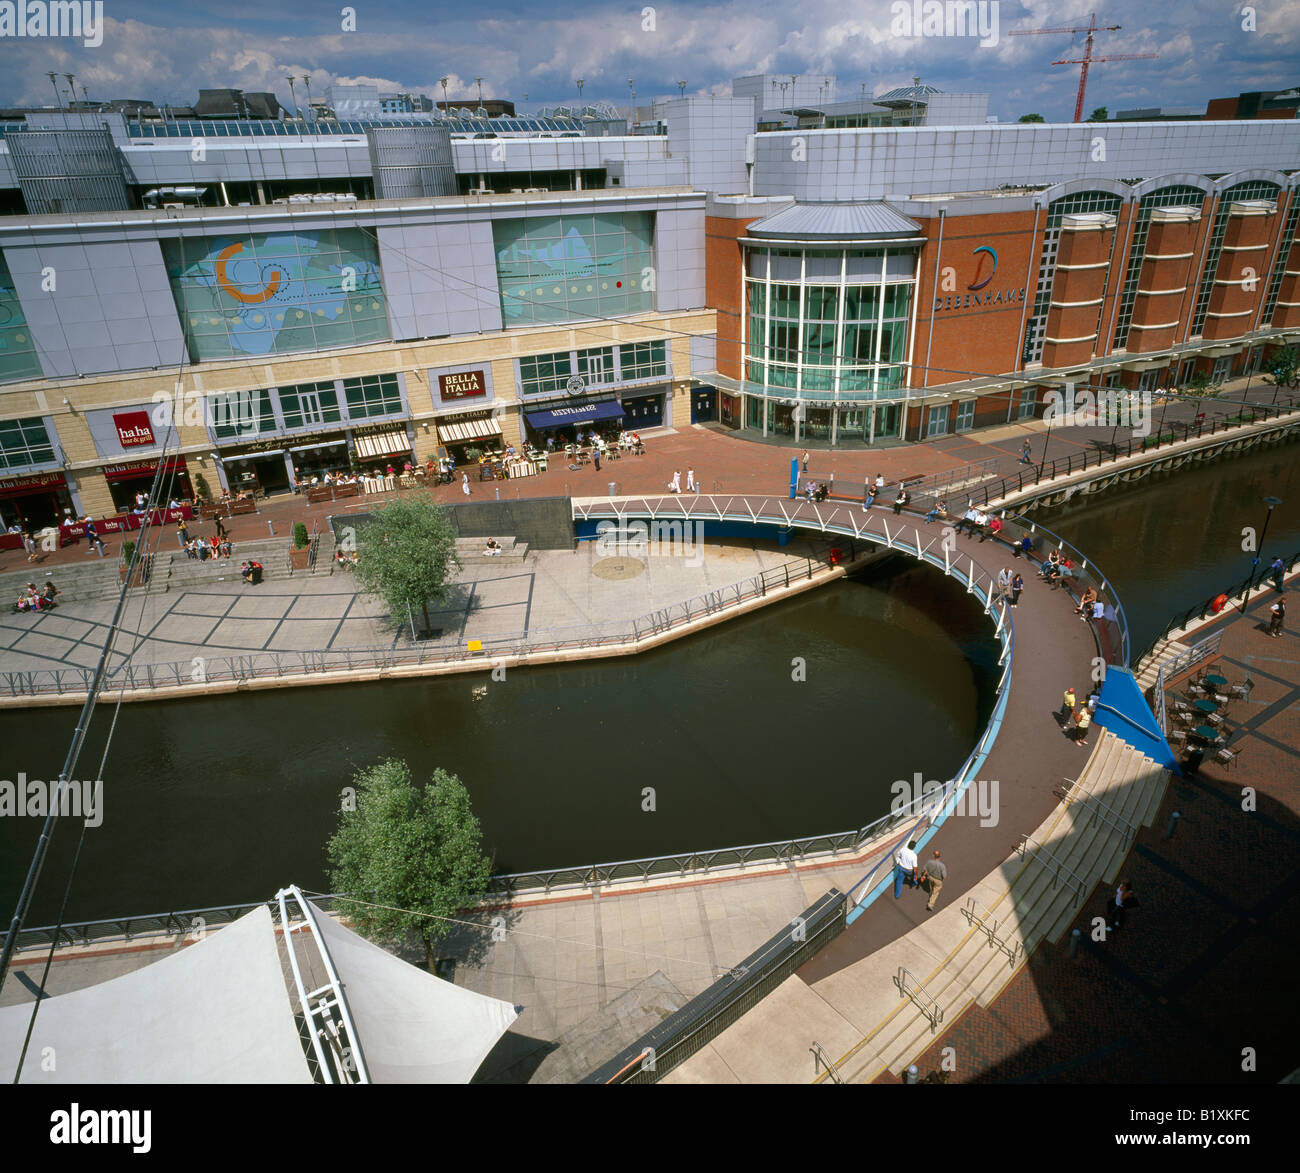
(1087, 59)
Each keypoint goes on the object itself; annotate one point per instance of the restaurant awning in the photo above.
(585, 413)
(473, 430)
(384, 443)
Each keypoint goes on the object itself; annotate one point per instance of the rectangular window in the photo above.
(966, 415)
(937, 421)
(240, 414)
(372, 395)
(544, 374)
(24, 442)
(597, 366)
(643, 360)
(1028, 402)
(562, 268)
(309, 405)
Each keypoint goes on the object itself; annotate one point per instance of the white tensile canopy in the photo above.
(223, 1011)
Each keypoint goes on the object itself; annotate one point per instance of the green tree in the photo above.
(1285, 366)
(1032, 118)
(1099, 115)
(405, 555)
(402, 848)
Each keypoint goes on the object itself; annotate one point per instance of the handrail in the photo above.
(934, 1012)
(1011, 950)
(1098, 807)
(1076, 881)
(819, 1055)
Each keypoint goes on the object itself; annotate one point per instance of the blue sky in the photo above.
(168, 50)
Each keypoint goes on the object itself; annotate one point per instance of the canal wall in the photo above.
(1182, 453)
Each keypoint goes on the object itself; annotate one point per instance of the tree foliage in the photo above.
(407, 849)
(1100, 114)
(406, 554)
(1285, 367)
(1032, 118)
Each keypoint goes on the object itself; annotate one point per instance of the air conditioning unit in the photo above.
(480, 191)
(534, 190)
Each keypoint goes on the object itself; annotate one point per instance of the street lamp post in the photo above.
(1272, 503)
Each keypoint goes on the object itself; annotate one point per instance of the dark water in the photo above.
(225, 800)
(1174, 539)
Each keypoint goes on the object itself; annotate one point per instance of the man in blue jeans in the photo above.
(904, 868)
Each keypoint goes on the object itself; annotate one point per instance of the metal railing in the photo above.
(1061, 874)
(127, 928)
(448, 650)
(1076, 795)
(707, 1015)
(820, 1060)
(986, 922)
(1108, 454)
(1205, 608)
(921, 998)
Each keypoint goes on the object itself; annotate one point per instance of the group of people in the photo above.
(1010, 585)
(1076, 722)
(815, 491)
(907, 871)
(692, 485)
(201, 549)
(32, 599)
(345, 559)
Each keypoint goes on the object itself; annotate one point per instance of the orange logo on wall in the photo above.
(267, 292)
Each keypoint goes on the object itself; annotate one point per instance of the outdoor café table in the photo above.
(1206, 733)
(1217, 681)
(1206, 706)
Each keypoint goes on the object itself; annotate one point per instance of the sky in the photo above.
(531, 51)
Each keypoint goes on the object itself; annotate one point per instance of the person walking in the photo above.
(805, 460)
(595, 457)
(182, 533)
(1277, 571)
(221, 528)
(93, 538)
(464, 483)
(690, 481)
(1067, 706)
(1017, 585)
(1278, 617)
(936, 871)
(1024, 452)
(1124, 899)
(675, 485)
(1004, 582)
(29, 544)
(904, 868)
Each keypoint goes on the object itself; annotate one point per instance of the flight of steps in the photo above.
(173, 571)
(470, 552)
(1149, 669)
(1021, 898)
(93, 580)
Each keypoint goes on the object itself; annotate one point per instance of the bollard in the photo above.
(498, 494)
(613, 488)
(909, 1076)
(1173, 825)
(1074, 943)
(271, 526)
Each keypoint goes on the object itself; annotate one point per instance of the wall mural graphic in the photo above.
(285, 291)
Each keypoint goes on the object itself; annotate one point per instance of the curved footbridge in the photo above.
(1006, 818)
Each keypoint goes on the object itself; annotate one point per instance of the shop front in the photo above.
(257, 470)
(467, 437)
(33, 502)
(383, 448)
(562, 424)
(644, 411)
(704, 405)
(128, 481)
(311, 461)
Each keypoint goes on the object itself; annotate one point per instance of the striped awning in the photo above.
(462, 433)
(383, 443)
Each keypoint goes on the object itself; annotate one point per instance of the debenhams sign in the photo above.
(977, 292)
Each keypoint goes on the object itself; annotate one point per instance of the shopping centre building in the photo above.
(361, 294)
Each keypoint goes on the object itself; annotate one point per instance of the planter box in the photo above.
(300, 559)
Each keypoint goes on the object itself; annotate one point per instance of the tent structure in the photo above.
(249, 1004)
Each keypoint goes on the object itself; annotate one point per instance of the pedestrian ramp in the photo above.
(879, 1014)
